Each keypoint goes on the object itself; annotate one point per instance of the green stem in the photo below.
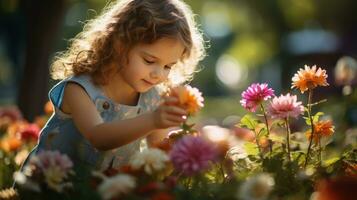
(288, 138)
(267, 126)
(258, 145)
(320, 151)
(312, 128)
(222, 171)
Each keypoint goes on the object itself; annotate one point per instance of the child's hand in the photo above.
(169, 114)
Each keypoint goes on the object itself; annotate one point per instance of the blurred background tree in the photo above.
(249, 41)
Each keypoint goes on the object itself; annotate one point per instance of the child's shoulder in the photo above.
(73, 89)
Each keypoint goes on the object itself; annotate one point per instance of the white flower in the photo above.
(152, 160)
(116, 186)
(256, 188)
(26, 183)
(216, 133)
(55, 178)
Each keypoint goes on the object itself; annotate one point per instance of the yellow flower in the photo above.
(190, 98)
(309, 78)
(321, 129)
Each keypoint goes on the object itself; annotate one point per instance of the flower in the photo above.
(32, 131)
(321, 129)
(9, 144)
(255, 95)
(285, 106)
(49, 109)
(8, 193)
(116, 186)
(256, 188)
(21, 157)
(309, 78)
(11, 112)
(337, 188)
(191, 155)
(189, 97)
(222, 137)
(351, 169)
(54, 166)
(152, 160)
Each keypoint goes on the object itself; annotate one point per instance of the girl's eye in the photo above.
(167, 67)
(149, 62)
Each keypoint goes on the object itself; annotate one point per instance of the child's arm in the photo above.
(105, 136)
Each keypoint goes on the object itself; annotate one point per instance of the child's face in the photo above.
(150, 64)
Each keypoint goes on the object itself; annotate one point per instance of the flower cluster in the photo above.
(51, 167)
(265, 156)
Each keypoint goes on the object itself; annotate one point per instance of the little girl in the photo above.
(108, 100)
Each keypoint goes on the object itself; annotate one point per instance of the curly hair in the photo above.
(121, 26)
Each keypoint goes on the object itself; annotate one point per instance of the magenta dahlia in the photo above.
(255, 95)
(191, 155)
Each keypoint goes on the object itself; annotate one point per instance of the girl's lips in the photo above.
(147, 82)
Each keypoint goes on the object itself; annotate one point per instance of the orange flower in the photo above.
(16, 127)
(41, 121)
(351, 169)
(322, 129)
(10, 144)
(190, 98)
(309, 78)
(48, 108)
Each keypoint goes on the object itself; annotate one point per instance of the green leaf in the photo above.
(251, 148)
(316, 117)
(262, 132)
(249, 122)
(306, 109)
(330, 161)
(279, 123)
(277, 138)
(307, 121)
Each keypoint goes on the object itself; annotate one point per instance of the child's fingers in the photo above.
(169, 123)
(170, 100)
(175, 118)
(175, 110)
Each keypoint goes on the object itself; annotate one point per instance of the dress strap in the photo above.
(57, 92)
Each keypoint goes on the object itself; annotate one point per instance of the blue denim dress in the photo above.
(60, 132)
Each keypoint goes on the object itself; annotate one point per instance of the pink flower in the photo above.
(255, 95)
(32, 131)
(191, 155)
(285, 106)
(48, 159)
(12, 113)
